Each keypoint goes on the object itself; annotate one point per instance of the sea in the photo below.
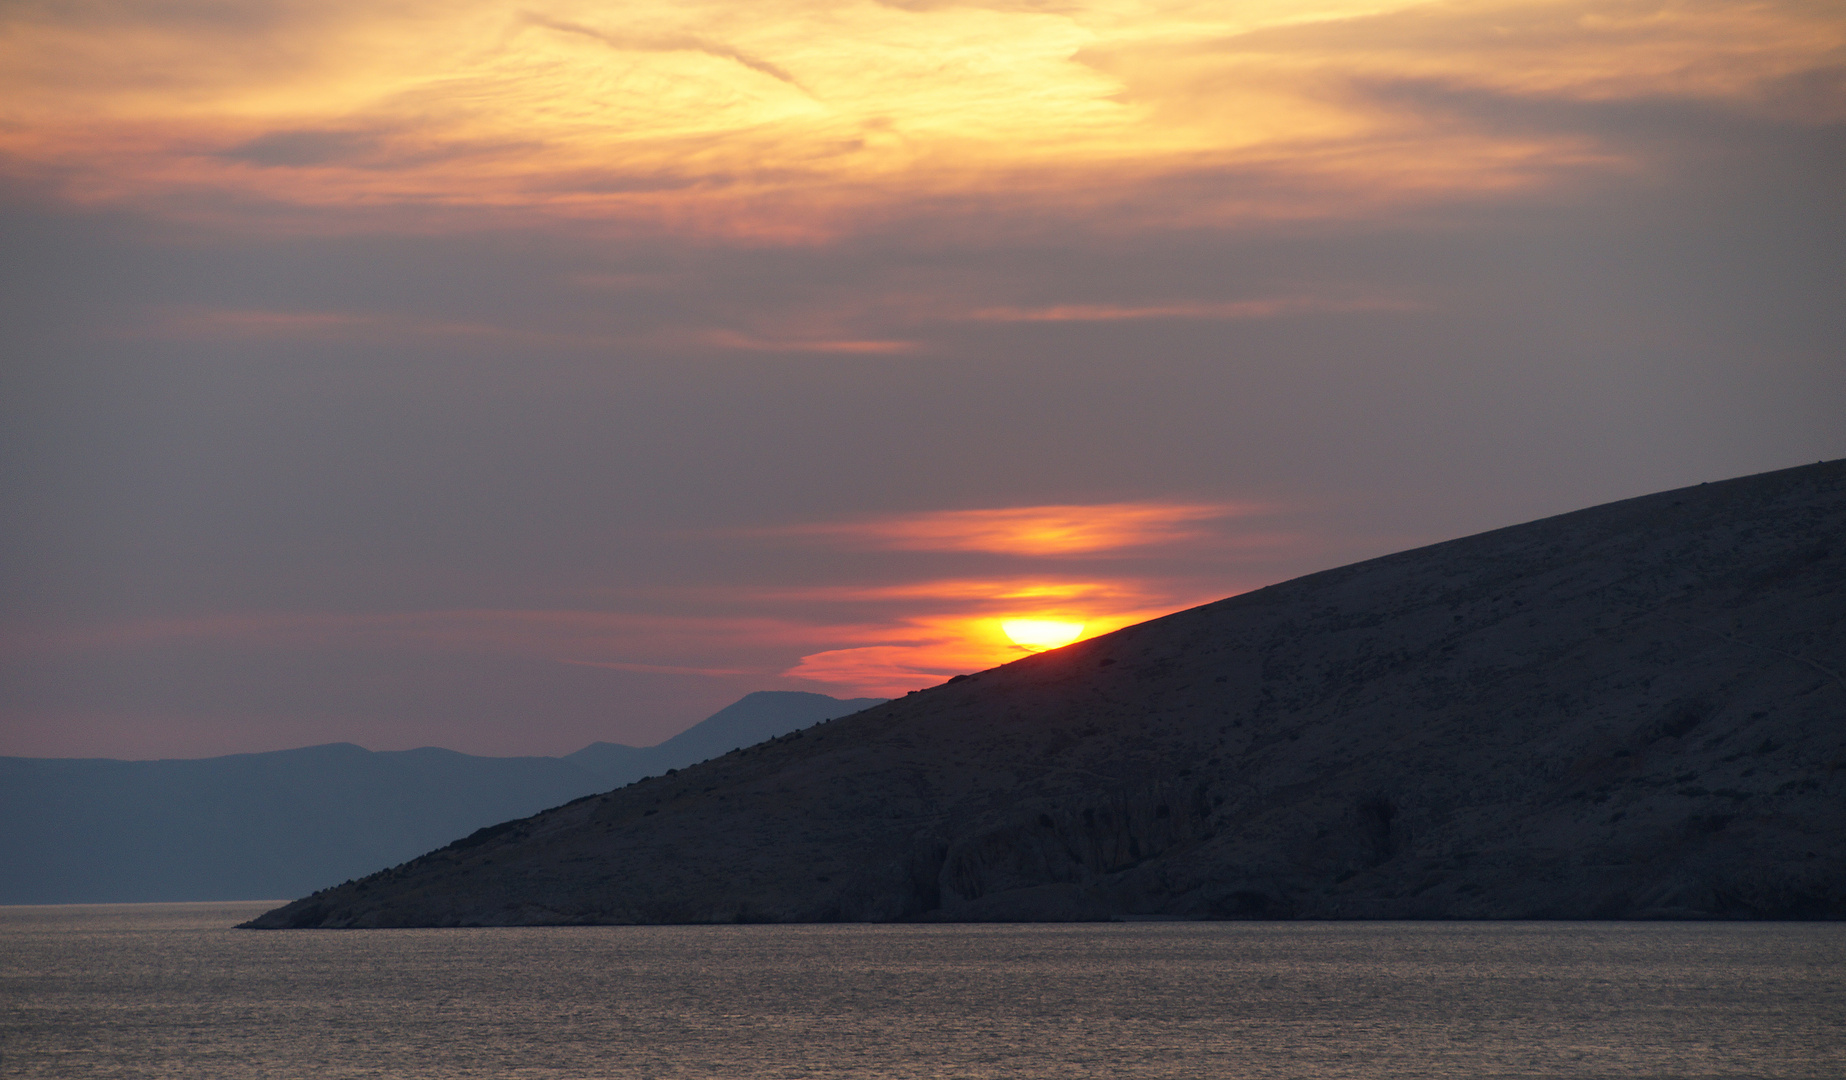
(172, 990)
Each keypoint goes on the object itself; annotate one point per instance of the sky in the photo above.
(511, 376)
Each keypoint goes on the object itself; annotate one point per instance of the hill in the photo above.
(252, 826)
(1630, 711)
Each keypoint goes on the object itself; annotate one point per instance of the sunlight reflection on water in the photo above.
(169, 990)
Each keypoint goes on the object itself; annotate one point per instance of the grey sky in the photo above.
(292, 473)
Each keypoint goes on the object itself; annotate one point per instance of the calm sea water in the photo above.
(169, 990)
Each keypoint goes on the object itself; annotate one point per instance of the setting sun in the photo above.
(1041, 634)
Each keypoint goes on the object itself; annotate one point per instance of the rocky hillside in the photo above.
(1631, 711)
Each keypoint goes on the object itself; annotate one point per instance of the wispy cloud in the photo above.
(932, 630)
(215, 323)
(664, 43)
(878, 638)
(927, 630)
(638, 639)
(889, 670)
(728, 339)
(662, 669)
(927, 649)
(961, 592)
(791, 120)
(1032, 530)
(1271, 308)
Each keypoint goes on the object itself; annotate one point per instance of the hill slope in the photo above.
(251, 826)
(764, 714)
(1630, 711)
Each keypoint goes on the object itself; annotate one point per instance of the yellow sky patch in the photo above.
(787, 118)
(1032, 530)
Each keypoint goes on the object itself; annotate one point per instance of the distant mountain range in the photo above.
(255, 826)
(1635, 711)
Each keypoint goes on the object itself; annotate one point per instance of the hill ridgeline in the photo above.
(258, 826)
(1631, 711)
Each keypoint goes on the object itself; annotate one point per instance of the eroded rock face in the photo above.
(1633, 711)
(1073, 841)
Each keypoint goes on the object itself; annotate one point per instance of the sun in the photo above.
(1038, 635)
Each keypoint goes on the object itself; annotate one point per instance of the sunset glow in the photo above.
(1034, 530)
(793, 121)
(935, 630)
(1041, 634)
(508, 375)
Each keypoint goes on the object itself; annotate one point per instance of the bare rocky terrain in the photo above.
(1631, 711)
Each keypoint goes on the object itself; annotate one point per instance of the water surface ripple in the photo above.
(169, 990)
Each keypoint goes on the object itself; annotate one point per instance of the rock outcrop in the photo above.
(1631, 711)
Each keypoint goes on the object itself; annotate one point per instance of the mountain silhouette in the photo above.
(257, 826)
(1631, 711)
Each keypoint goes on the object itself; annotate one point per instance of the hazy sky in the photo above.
(506, 376)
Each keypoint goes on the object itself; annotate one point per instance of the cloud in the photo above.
(661, 669)
(887, 670)
(516, 321)
(1032, 530)
(959, 592)
(201, 323)
(921, 631)
(1229, 309)
(669, 43)
(931, 630)
(630, 640)
(898, 644)
(295, 149)
(925, 650)
(794, 122)
(730, 339)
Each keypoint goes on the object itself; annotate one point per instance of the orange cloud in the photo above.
(1033, 530)
(893, 638)
(931, 630)
(961, 591)
(624, 639)
(726, 339)
(661, 669)
(1230, 309)
(894, 632)
(929, 650)
(885, 670)
(789, 120)
(204, 323)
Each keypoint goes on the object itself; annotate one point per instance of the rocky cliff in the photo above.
(1631, 711)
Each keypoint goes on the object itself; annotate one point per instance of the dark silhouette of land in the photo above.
(1631, 711)
(255, 826)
